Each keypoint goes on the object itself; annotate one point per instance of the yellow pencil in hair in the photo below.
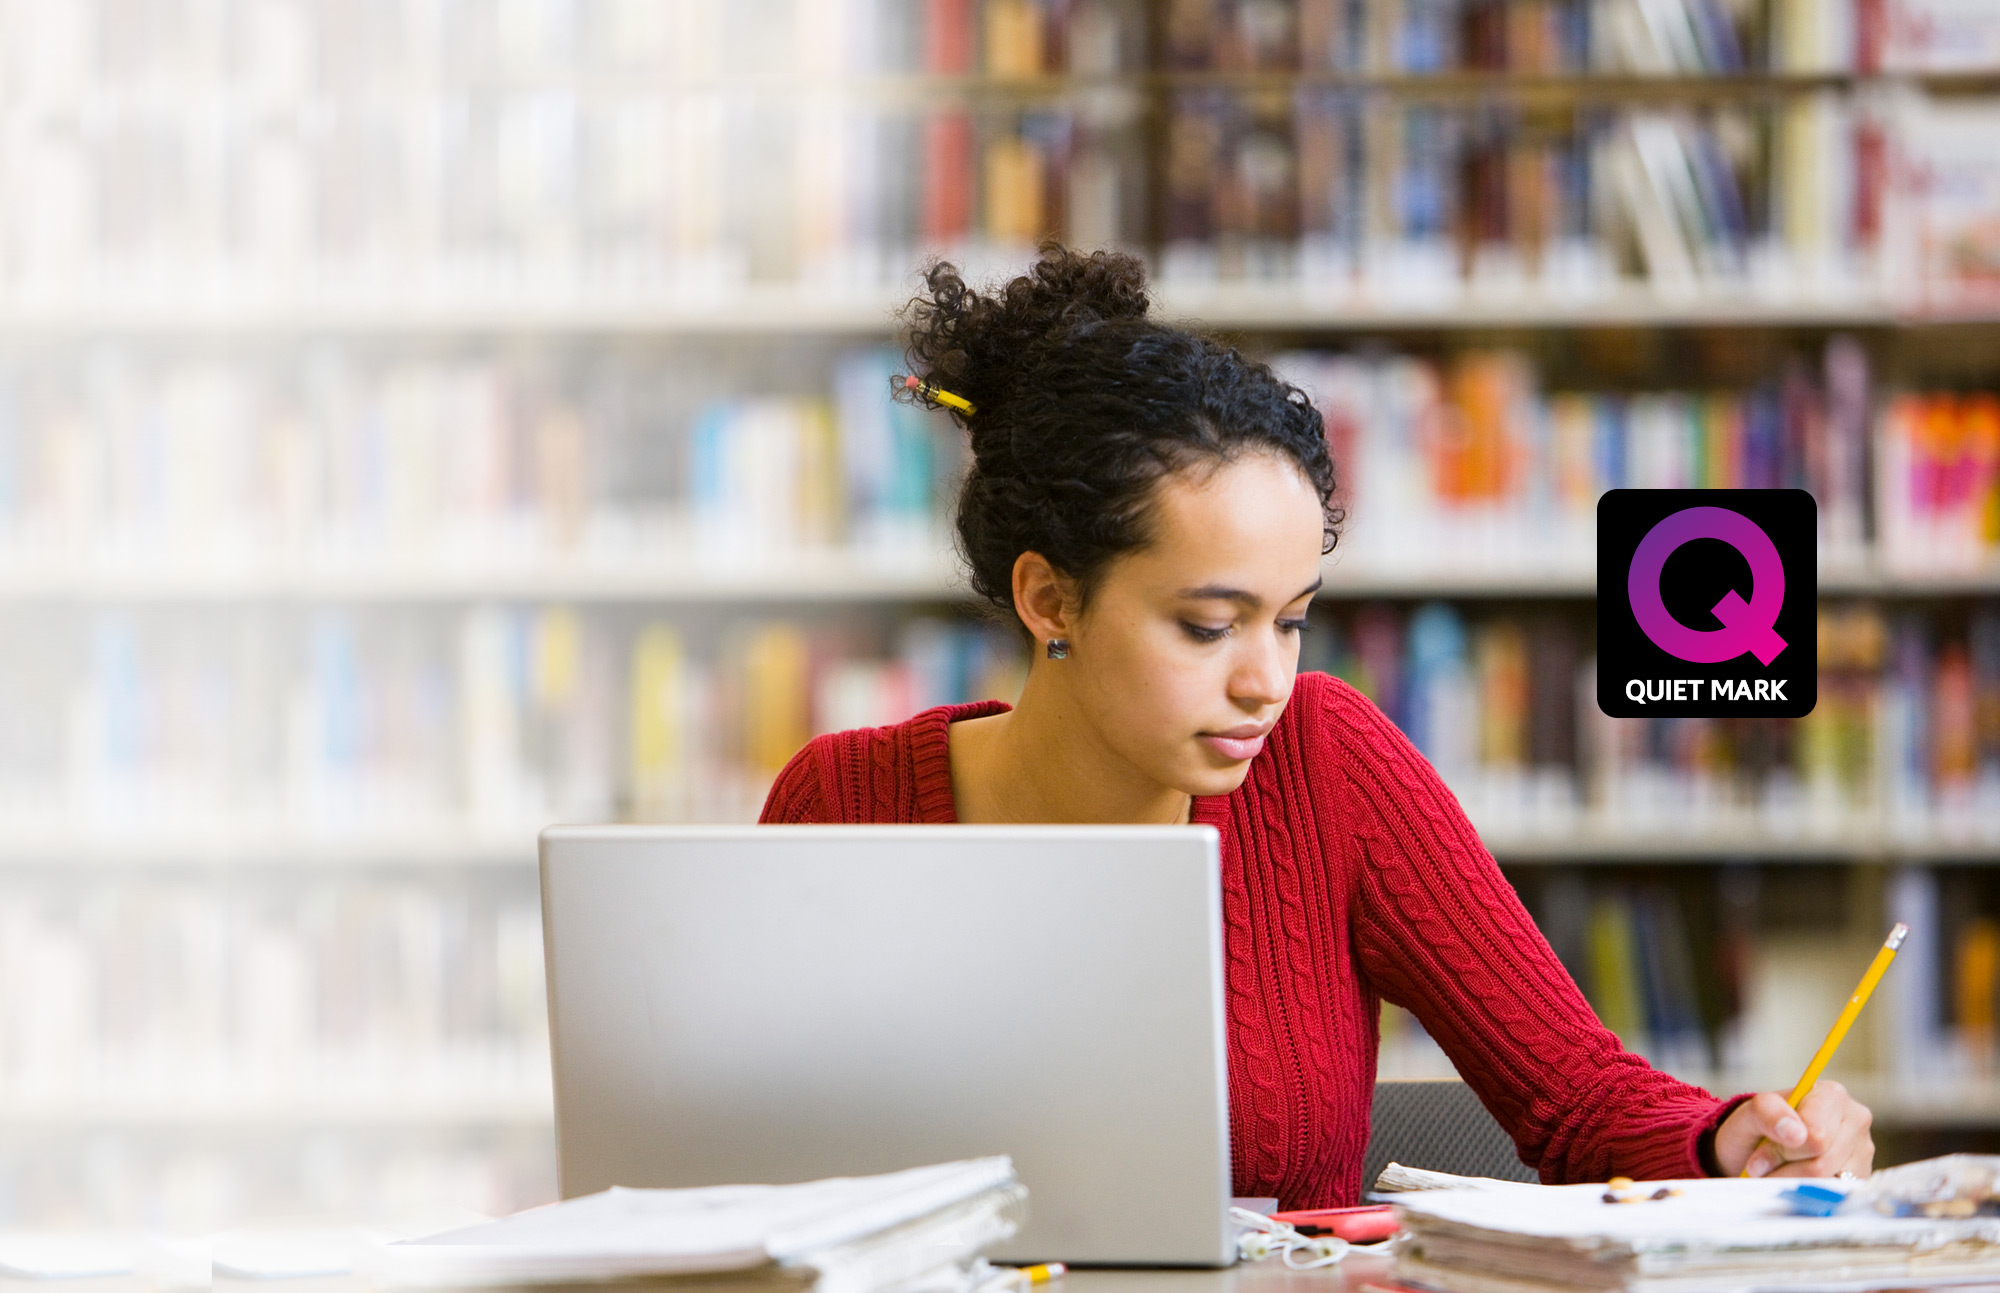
(1873, 976)
(938, 394)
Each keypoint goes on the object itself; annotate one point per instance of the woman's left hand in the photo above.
(1826, 1136)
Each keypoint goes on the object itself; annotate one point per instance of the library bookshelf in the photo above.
(752, 310)
(1596, 840)
(387, 492)
(529, 1108)
(920, 576)
(1732, 837)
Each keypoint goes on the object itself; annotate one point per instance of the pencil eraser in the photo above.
(1813, 1200)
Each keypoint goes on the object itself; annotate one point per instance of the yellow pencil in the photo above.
(1842, 1024)
(1008, 1279)
(939, 395)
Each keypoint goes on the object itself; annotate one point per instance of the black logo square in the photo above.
(1707, 602)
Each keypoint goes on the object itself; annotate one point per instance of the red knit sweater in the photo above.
(1350, 877)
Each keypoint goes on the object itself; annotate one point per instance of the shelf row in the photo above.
(449, 736)
(300, 51)
(1732, 838)
(337, 473)
(1970, 1103)
(1470, 83)
(810, 577)
(628, 215)
(775, 310)
(500, 48)
(1611, 85)
(531, 1108)
(1536, 161)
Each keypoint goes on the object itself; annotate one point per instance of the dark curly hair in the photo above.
(1083, 405)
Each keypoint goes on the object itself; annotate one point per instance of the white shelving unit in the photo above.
(276, 125)
(1738, 838)
(1964, 1105)
(768, 311)
(272, 849)
(827, 575)
(823, 579)
(1746, 839)
(530, 1109)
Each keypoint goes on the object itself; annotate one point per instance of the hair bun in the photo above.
(980, 345)
(1084, 405)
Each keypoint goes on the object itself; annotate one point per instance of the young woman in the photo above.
(1153, 507)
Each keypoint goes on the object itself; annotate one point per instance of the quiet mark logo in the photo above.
(1707, 602)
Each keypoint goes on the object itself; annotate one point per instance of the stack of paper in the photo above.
(905, 1232)
(1709, 1236)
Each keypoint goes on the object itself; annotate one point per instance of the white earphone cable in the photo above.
(1261, 1237)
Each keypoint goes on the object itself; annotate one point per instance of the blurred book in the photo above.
(1472, 458)
(1933, 35)
(552, 192)
(1938, 481)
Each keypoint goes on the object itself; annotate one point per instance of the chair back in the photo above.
(1439, 1125)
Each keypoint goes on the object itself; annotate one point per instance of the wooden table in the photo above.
(1269, 1276)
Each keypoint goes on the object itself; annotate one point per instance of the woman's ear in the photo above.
(1044, 597)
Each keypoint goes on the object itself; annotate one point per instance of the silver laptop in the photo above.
(781, 1003)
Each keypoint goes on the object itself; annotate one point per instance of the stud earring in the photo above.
(1058, 648)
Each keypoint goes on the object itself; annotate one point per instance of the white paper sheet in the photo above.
(1713, 1236)
(1707, 1215)
(623, 1232)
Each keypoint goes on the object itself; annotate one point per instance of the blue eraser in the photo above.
(1813, 1200)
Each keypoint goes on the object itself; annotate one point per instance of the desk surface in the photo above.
(1270, 1276)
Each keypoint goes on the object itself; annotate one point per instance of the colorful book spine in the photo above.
(461, 463)
(299, 1002)
(473, 461)
(1975, 987)
(1470, 460)
(554, 190)
(950, 39)
(486, 723)
(1904, 745)
(1938, 481)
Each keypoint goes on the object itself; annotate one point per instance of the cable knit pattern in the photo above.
(1350, 877)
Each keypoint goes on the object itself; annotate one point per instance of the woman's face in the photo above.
(1185, 655)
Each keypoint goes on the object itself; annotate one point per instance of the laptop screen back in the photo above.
(787, 1003)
